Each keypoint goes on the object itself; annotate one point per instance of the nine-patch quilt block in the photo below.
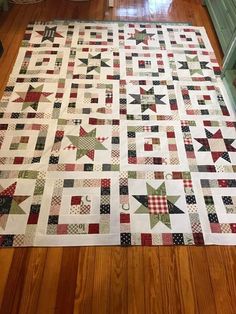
(116, 133)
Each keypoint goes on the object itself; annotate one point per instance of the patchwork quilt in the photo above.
(116, 133)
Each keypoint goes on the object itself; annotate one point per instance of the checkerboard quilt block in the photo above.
(116, 133)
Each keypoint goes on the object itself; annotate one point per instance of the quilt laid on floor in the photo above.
(116, 133)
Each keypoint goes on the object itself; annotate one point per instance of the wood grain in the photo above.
(6, 256)
(15, 281)
(202, 280)
(119, 281)
(85, 281)
(113, 279)
(169, 282)
(152, 280)
(136, 290)
(185, 281)
(50, 281)
(32, 281)
(101, 283)
(67, 280)
(220, 285)
(229, 262)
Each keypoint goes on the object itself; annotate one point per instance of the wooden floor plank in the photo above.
(49, 284)
(169, 284)
(152, 280)
(202, 282)
(184, 277)
(136, 300)
(101, 283)
(84, 281)
(6, 256)
(32, 281)
(67, 280)
(229, 261)
(220, 285)
(119, 281)
(15, 282)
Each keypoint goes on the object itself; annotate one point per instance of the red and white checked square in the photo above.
(188, 141)
(157, 204)
(71, 147)
(147, 128)
(184, 123)
(187, 183)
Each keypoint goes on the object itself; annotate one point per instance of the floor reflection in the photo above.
(147, 8)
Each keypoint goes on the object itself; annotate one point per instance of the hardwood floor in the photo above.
(113, 279)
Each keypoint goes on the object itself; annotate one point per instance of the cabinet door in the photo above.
(230, 9)
(220, 19)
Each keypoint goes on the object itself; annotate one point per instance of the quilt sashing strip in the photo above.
(116, 133)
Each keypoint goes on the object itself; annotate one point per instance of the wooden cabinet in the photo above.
(229, 70)
(223, 14)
